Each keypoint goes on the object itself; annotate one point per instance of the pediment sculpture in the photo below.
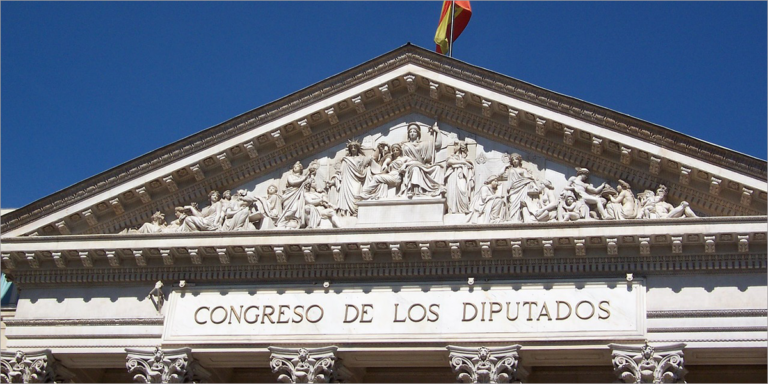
(429, 163)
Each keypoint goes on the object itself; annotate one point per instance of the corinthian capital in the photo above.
(647, 364)
(32, 367)
(158, 366)
(485, 364)
(303, 365)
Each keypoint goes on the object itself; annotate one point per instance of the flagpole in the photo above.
(450, 37)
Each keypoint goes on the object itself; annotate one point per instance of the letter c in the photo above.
(198, 311)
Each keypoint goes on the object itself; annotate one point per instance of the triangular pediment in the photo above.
(374, 103)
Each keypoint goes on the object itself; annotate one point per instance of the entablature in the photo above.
(320, 248)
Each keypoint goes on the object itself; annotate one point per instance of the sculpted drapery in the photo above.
(389, 176)
(459, 181)
(422, 177)
(488, 204)
(519, 183)
(354, 168)
(411, 169)
(293, 196)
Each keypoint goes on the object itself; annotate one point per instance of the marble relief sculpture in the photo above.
(459, 180)
(327, 194)
(353, 174)
(422, 176)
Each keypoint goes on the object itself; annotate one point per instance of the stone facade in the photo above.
(413, 219)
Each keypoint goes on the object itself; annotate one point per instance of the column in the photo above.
(32, 367)
(158, 366)
(486, 364)
(303, 365)
(647, 364)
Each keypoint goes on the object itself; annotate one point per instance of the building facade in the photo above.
(414, 218)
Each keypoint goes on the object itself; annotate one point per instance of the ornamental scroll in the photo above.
(426, 163)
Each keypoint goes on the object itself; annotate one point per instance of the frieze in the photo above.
(403, 55)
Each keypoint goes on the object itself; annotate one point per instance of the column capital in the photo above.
(32, 367)
(158, 366)
(485, 364)
(648, 364)
(303, 365)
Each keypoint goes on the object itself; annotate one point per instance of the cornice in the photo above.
(484, 271)
(661, 136)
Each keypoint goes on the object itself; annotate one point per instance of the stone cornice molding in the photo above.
(668, 237)
(539, 268)
(405, 55)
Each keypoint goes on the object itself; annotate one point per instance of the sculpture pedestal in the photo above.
(417, 211)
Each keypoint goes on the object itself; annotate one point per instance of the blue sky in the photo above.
(88, 86)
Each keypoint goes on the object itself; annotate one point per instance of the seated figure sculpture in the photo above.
(587, 192)
(488, 203)
(541, 208)
(389, 175)
(623, 204)
(317, 209)
(209, 218)
(571, 209)
(656, 206)
(422, 176)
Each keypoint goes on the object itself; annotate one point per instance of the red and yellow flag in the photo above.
(461, 14)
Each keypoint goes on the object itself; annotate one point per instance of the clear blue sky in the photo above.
(88, 86)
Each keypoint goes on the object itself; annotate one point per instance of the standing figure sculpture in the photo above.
(389, 175)
(488, 203)
(519, 184)
(353, 173)
(588, 193)
(459, 180)
(293, 195)
(422, 176)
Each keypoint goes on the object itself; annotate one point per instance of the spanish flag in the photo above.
(461, 14)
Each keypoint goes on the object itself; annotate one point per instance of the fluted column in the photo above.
(32, 367)
(158, 366)
(648, 364)
(303, 365)
(486, 364)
